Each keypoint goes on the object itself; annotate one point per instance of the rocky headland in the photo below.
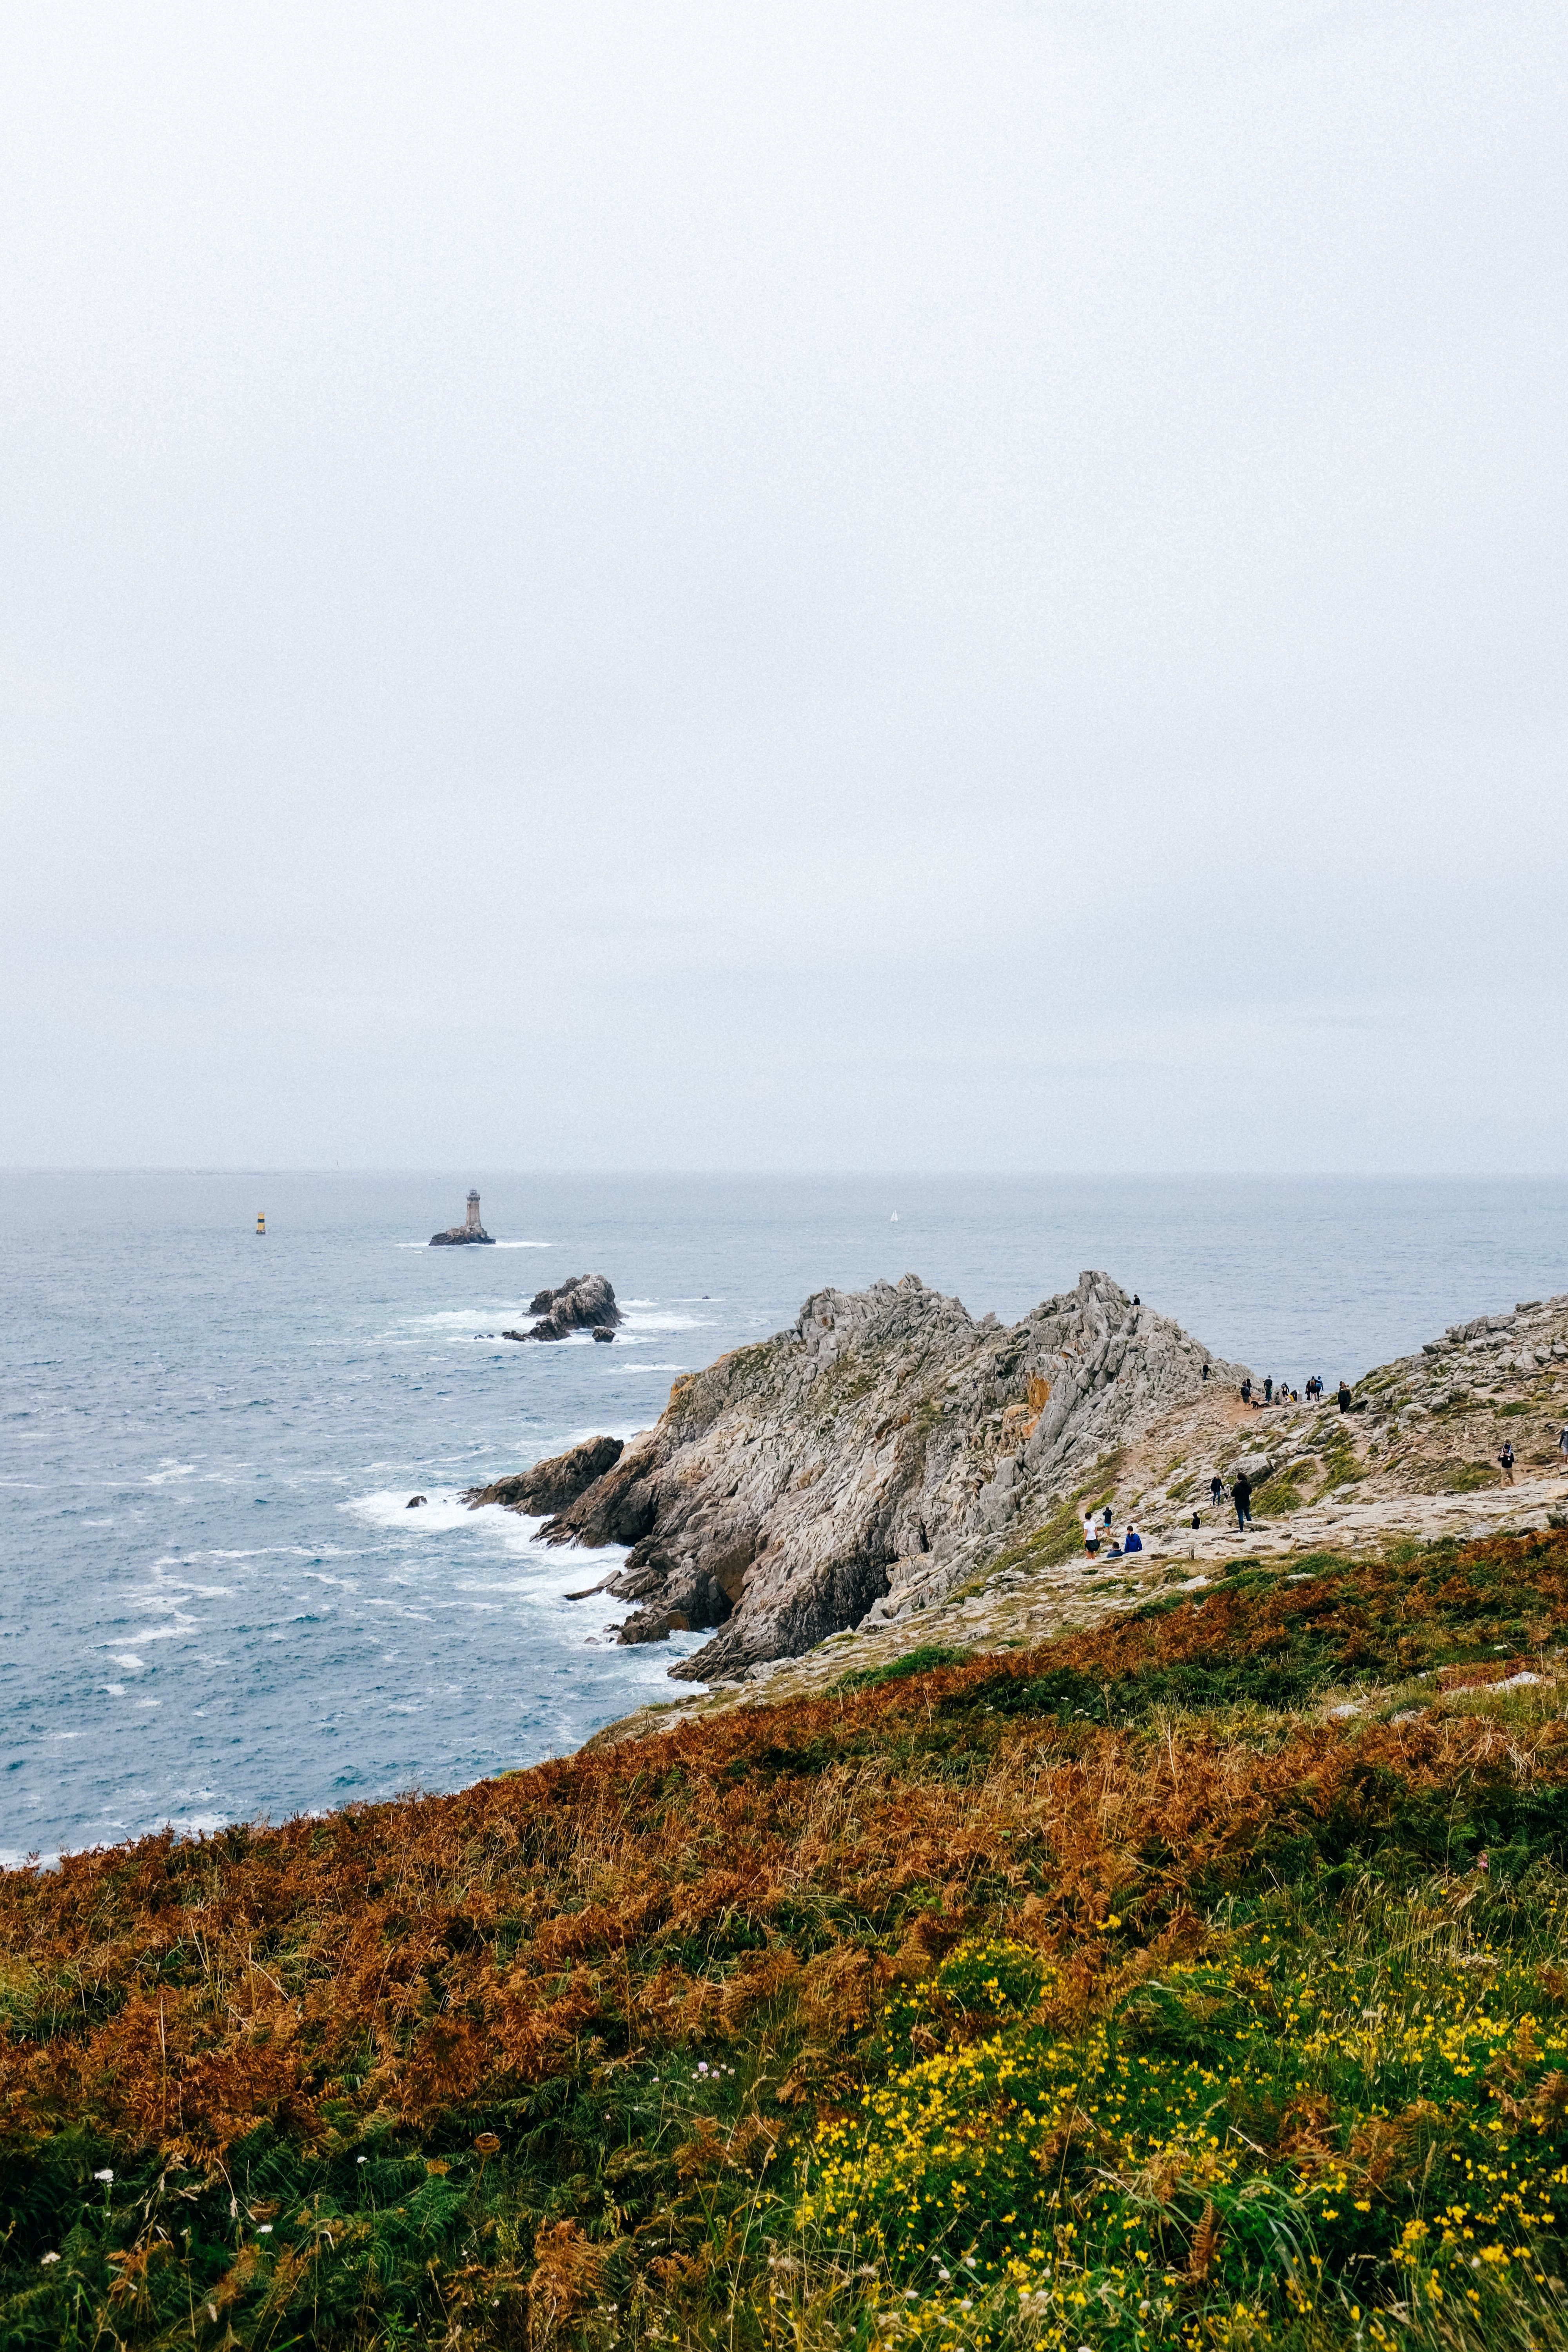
(551, 1487)
(892, 1472)
(584, 1302)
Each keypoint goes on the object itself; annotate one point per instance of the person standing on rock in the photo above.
(1217, 1490)
(1268, 1389)
(1344, 1396)
(1090, 1535)
(1563, 1441)
(1505, 1461)
(1247, 1390)
(1241, 1495)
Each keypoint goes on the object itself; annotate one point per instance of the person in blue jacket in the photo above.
(1131, 1540)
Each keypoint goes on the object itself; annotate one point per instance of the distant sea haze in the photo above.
(218, 1605)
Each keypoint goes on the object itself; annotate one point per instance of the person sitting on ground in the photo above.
(1196, 1521)
(1131, 1540)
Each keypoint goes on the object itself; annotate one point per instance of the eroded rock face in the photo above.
(553, 1485)
(584, 1302)
(887, 1439)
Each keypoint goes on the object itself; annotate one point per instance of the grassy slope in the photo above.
(1101, 1995)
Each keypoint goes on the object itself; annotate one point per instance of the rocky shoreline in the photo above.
(891, 1472)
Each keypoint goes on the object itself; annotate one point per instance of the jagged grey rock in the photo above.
(584, 1302)
(869, 1459)
(553, 1485)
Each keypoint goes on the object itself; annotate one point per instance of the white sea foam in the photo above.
(439, 1515)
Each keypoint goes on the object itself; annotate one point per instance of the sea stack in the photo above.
(471, 1231)
(584, 1302)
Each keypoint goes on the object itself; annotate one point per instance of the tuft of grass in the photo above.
(914, 1662)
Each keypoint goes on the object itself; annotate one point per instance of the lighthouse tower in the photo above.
(470, 1232)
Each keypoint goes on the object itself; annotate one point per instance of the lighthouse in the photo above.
(471, 1231)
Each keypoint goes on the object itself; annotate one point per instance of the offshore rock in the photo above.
(874, 1454)
(584, 1302)
(553, 1485)
(456, 1236)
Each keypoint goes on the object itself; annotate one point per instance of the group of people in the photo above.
(1285, 1394)
(1097, 1531)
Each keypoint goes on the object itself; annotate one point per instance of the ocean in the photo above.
(216, 1604)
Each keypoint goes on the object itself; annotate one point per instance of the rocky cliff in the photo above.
(886, 1443)
(551, 1487)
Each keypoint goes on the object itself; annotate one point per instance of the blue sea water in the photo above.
(215, 1603)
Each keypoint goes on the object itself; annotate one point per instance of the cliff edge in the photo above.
(884, 1444)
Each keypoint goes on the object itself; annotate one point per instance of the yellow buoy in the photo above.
(260, 1220)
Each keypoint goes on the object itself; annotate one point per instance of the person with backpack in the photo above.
(1505, 1461)
(1241, 1495)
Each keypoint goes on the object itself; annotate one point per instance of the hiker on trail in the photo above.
(1505, 1460)
(1131, 1540)
(1563, 1441)
(1090, 1535)
(1344, 1396)
(1268, 1389)
(1107, 1514)
(1246, 1390)
(1241, 1495)
(1217, 1490)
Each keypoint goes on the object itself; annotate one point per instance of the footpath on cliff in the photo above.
(890, 1473)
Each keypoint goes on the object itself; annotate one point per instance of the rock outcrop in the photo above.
(584, 1302)
(551, 1487)
(886, 1445)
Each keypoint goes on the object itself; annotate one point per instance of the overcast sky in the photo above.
(975, 585)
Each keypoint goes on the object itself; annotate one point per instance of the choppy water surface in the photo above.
(215, 1602)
